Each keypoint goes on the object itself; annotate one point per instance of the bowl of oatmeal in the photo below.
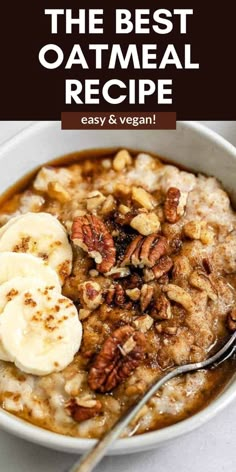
(118, 262)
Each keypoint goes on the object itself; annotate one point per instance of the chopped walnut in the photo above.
(175, 204)
(207, 234)
(90, 295)
(146, 295)
(84, 313)
(91, 234)
(201, 281)
(192, 229)
(123, 209)
(133, 294)
(122, 190)
(142, 197)
(108, 206)
(145, 251)
(94, 200)
(231, 320)
(146, 223)
(161, 268)
(179, 295)
(128, 346)
(143, 323)
(81, 410)
(58, 192)
(113, 364)
(121, 160)
(199, 230)
(161, 309)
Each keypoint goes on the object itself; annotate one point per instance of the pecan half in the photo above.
(146, 295)
(116, 295)
(161, 268)
(145, 251)
(119, 356)
(231, 320)
(133, 294)
(91, 234)
(175, 204)
(161, 309)
(85, 411)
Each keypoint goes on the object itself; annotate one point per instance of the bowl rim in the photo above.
(145, 441)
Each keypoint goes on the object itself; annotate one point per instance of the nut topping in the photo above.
(142, 197)
(145, 251)
(108, 206)
(146, 296)
(175, 204)
(192, 229)
(146, 223)
(116, 295)
(199, 230)
(161, 268)
(90, 295)
(113, 363)
(143, 323)
(121, 160)
(91, 234)
(161, 309)
(81, 410)
(94, 200)
(133, 294)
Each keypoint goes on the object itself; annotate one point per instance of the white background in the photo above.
(209, 449)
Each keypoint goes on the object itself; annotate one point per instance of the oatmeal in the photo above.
(144, 255)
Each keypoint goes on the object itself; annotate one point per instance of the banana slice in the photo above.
(9, 290)
(40, 331)
(8, 224)
(42, 235)
(25, 265)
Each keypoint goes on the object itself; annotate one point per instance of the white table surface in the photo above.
(209, 449)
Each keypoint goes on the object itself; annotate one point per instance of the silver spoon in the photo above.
(91, 458)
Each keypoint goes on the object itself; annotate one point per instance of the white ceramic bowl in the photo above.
(191, 145)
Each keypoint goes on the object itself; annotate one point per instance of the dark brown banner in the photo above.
(30, 91)
(118, 120)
